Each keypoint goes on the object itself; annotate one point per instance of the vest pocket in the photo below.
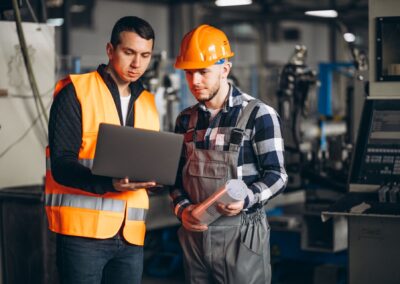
(212, 169)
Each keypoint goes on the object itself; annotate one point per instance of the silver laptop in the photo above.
(141, 155)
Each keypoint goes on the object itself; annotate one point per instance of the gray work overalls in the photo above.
(233, 249)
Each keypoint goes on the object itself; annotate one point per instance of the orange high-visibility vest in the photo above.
(71, 211)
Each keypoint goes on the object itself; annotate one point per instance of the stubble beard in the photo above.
(214, 92)
(209, 98)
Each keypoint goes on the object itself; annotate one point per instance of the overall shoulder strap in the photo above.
(193, 117)
(244, 117)
(237, 133)
(190, 134)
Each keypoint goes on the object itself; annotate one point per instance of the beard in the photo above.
(210, 97)
(213, 92)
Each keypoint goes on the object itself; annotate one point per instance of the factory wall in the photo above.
(90, 43)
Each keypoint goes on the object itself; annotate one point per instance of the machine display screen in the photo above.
(377, 155)
(385, 127)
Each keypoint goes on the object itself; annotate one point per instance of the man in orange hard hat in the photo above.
(228, 135)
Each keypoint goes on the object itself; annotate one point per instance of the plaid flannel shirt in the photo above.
(260, 164)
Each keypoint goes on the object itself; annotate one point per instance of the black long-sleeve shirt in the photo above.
(65, 136)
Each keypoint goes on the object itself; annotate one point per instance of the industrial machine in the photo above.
(372, 203)
(318, 133)
(317, 145)
(314, 140)
(161, 80)
(295, 82)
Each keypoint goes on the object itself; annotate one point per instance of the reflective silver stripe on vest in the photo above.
(137, 214)
(85, 162)
(87, 202)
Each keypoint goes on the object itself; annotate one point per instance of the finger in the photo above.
(221, 208)
(221, 205)
(145, 184)
(125, 185)
(121, 188)
(137, 185)
(231, 212)
(198, 228)
(233, 206)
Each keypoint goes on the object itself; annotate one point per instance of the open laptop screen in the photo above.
(139, 154)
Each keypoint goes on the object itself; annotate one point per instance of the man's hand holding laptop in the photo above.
(127, 185)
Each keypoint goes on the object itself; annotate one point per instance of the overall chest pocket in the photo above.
(208, 169)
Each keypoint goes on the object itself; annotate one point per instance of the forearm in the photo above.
(267, 187)
(180, 201)
(70, 172)
(65, 138)
(268, 147)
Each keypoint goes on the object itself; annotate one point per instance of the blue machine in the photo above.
(325, 76)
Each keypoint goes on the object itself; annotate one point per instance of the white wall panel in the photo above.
(22, 141)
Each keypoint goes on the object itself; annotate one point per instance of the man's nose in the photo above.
(135, 61)
(196, 78)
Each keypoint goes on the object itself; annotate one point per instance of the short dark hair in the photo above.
(131, 24)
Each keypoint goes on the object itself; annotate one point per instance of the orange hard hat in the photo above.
(203, 47)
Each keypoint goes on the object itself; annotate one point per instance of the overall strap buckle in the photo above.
(236, 139)
(238, 132)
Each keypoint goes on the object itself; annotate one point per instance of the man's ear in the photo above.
(226, 69)
(109, 50)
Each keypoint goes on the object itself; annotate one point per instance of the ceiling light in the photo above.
(323, 13)
(55, 22)
(223, 3)
(349, 37)
(77, 8)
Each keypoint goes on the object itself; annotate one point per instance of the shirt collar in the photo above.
(234, 99)
(136, 87)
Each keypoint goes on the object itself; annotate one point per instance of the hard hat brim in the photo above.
(197, 65)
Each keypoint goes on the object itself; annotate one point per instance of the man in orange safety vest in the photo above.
(100, 221)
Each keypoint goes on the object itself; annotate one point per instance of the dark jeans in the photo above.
(95, 261)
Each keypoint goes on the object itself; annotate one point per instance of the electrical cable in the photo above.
(31, 11)
(38, 101)
(47, 93)
(18, 140)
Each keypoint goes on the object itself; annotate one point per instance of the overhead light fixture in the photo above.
(349, 37)
(322, 13)
(77, 8)
(55, 22)
(224, 3)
